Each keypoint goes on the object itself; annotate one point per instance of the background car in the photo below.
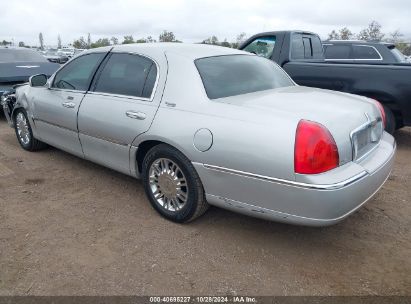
(18, 64)
(211, 125)
(53, 55)
(363, 52)
(301, 55)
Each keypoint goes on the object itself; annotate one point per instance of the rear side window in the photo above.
(297, 47)
(77, 74)
(231, 75)
(127, 74)
(337, 52)
(365, 52)
(306, 47)
(262, 46)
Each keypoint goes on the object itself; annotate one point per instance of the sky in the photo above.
(192, 20)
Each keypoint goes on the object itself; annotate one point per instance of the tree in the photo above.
(395, 37)
(21, 44)
(150, 39)
(101, 42)
(345, 34)
(4, 42)
(80, 43)
(114, 40)
(372, 32)
(211, 40)
(239, 40)
(333, 35)
(166, 36)
(58, 41)
(88, 41)
(41, 40)
(128, 39)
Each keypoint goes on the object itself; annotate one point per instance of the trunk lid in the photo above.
(354, 121)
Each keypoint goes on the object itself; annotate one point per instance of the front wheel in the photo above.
(172, 184)
(24, 133)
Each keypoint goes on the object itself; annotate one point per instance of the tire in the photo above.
(24, 133)
(390, 121)
(164, 171)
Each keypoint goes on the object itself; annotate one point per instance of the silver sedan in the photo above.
(207, 125)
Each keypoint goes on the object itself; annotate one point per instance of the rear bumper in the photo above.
(310, 204)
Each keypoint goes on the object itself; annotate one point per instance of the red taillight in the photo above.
(315, 149)
(382, 111)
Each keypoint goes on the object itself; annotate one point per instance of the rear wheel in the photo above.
(172, 184)
(390, 121)
(24, 133)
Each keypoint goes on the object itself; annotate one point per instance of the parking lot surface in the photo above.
(71, 227)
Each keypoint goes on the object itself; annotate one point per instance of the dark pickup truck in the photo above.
(301, 55)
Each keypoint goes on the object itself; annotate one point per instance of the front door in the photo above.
(56, 106)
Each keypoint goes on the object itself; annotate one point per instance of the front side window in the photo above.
(231, 75)
(77, 74)
(365, 52)
(262, 46)
(127, 74)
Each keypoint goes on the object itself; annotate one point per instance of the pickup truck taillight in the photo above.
(382, 111)
(315, 150)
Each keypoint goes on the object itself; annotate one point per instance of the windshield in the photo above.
(20, 55)
(232, 75)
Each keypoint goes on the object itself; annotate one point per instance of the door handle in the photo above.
(69, 105)
(136, 115)
(70, 97)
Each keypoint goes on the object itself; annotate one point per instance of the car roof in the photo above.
(188, 50)
(363, 42)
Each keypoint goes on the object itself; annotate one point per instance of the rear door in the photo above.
(117, 109)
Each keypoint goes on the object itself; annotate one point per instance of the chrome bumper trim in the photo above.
(287, 182)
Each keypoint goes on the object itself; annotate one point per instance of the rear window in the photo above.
(232, 75)
(262, 46)
(20, 55)
(365, 52)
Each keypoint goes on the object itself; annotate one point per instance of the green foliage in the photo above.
(128, 39)
(211, 40)
(80, 43)
(333, 35)
(99, 43)
(5, 43)
(166, 36)
(372, 32)
(114, 40)
(345, 34)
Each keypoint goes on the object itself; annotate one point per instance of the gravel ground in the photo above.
(70, 227)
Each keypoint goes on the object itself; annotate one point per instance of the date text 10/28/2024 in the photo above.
(204, 299)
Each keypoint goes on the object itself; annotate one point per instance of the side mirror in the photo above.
(39, 80)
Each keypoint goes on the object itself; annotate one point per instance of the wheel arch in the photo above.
(145, 145)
